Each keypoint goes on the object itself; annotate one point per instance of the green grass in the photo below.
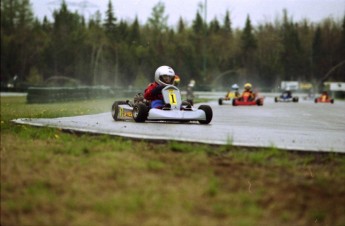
(49, 177)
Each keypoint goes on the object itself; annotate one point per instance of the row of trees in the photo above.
(105, 51)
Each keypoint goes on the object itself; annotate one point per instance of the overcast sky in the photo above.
(260, 11)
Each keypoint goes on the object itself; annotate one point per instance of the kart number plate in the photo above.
(172, 97)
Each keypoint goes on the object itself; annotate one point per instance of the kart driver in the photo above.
(164, 76)
(286, 94)
(324, 96)
(233, 93)
(248, 92)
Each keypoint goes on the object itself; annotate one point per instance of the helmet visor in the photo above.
(167, 79)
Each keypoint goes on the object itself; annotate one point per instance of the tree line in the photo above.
(120, 53)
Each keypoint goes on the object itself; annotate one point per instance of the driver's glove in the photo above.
(157, 90)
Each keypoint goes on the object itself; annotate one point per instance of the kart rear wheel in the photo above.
(276, 99)
(295, 99)
(220, 101)
(115, 109)
(140, 112)
(315, 100)
(208, 112)
(332, 101)
(259, 102)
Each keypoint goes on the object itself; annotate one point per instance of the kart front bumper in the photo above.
(176, 115)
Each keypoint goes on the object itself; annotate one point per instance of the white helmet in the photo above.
(234, 86)
(164, 75)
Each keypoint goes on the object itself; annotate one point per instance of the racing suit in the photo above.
(249, 94)
(153, 93)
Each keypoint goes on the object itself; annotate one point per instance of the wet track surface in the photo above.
(303, 126)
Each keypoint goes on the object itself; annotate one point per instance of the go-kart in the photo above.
(246, 100)
(227, 99)
(286, 97)
(324, 99)
(174, 110)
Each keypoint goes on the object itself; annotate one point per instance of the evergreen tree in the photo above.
(226, 28)
(158, 22)
(134, 33)
(316, 53)
(110, 25)
(25, 14)
(17, 39)
(342, 40)
(248, 47)
(214, 26)
(291, 56)
(248, 39)
(67, 40)
(198, 24)
(97, 42)
(180, 26)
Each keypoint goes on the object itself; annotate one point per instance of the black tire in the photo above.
(276, 99)
(259, 102)
(208, 112)
(140, 112)
(315, 100)
(115, 109)
(220, 101)
(332, 101)
(295, 99)
(234, 102)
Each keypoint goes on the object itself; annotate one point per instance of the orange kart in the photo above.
(324, 99)
(247, 100)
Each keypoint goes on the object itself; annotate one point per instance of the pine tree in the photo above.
(110, 25)
(248, 46)
(158, 22)
(248, 39)
(181, 26)
(226, 28)
(198, 24)
(214, 26)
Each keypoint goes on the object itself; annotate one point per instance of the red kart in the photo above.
(246, 100)
(324, 99)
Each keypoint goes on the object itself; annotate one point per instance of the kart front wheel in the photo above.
(276, 99)
(208, 112)
(140, 112)
(220, 101)
(295, 99)
(115, 109)
(234, 102)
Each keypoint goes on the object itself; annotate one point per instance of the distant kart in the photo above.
(174, 110)
(247, 101)
(285, 97)
(227, 99)
(324, 99)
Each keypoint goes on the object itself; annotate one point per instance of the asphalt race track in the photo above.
(303, 126)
